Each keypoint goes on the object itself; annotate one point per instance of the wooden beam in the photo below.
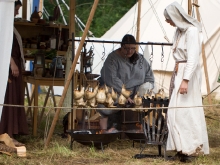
(204, 60)
(24, 9)
(71, 72)
(72, 13)
(138, 24)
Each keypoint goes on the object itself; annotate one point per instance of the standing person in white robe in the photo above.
(187, 127)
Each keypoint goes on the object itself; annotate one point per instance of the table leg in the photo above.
(35, 109)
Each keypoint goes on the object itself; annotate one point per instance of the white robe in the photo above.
(187, 126)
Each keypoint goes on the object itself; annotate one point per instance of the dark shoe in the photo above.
(186, 158)
(175, 157)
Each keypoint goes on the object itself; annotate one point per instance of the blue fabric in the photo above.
(35, 4)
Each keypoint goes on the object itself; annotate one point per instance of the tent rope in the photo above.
(209, 43)
(158, 19)
(48, 115)
(144, 108)
(61, 12)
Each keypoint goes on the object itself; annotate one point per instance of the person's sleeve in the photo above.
(193, 51)
(109, 74)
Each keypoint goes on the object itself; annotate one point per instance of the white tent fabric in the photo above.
(153, 30)
(6, 33)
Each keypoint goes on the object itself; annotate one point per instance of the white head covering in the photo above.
(180, 18)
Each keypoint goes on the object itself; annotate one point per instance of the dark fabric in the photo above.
(13, 120)
(114, 120)
(173, 77)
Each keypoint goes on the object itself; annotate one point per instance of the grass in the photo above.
(119, 152)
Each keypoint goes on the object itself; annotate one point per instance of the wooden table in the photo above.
(36, 82)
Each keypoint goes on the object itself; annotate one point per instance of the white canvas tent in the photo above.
(153, 28)
(6, 33)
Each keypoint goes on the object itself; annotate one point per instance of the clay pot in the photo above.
(36, 15)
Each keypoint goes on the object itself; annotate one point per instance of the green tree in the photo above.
(108, 12)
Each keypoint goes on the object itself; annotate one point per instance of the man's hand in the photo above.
(129, 100)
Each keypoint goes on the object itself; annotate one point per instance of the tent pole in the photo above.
(24, 9)
(138, 24)
(72, 13)
(69, 95)
(41, 2)
(204, 59)
(71, 72)
(189, 7)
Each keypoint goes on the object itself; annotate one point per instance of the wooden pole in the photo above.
(41, 2)
(24, 9)
(138, 24)
(71, 72)
(189, 7)
(204, 58)
(72, 13)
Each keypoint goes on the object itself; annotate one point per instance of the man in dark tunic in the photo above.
(124, 66)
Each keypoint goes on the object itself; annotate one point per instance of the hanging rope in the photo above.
(211, 48)
(133, 30)
(68, 8)
(103, 53)
(61, 12)
(128, 109)
(158, 19)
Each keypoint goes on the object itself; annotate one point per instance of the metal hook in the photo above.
(142, 49)
(151, 55)
(92, 47)
(162, 54)
(113, 46)
(103, 53)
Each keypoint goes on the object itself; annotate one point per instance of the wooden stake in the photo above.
(204, 61)
(138, 24)
(71, 72)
